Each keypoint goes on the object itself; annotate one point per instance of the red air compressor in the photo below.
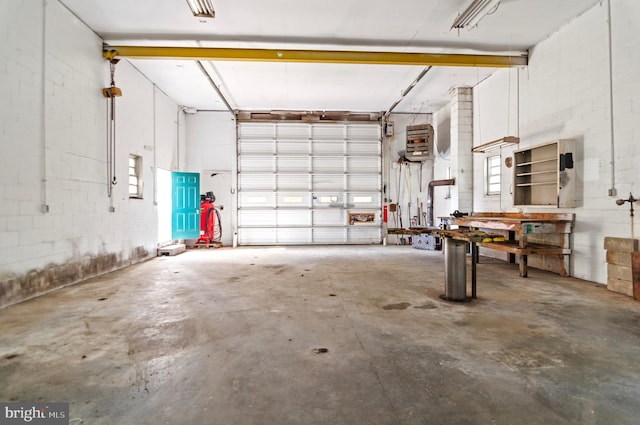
(210, 229)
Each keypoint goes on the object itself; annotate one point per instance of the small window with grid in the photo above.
(135, 176)
(493, 175)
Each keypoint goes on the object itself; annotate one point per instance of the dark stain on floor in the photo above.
(426, 306)
(399, 306)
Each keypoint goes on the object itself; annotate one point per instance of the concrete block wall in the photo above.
(211, 147)
(458, 162)
(495, 106)
(461, 143)
(564, 93)
(55, 223)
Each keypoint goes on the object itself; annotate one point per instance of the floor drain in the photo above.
(320, 350)
(102, 299)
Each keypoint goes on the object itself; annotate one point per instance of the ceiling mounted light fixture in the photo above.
(202, 8)
(473, 14)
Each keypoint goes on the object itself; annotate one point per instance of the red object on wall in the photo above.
(385, 213)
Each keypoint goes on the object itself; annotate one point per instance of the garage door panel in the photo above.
(365, 200)
(293, 164)
(369, 183)
(329, 217)
(297, 182)
(256, 163)
(364, 165)
(256, 131)
(328, 132)
(328, 182)
(293, 236)
(257, 200)
(294, 181)
(363, 132)
(363, 235)
(257, 147)
(293, 218)
(290, 147)
(247, 182)
(369, 147)
(292, 131)
(328, 199)
(330, 235)
(257, 218)
(257, 236)
(293, 199)
(328, 165)
(323, 147)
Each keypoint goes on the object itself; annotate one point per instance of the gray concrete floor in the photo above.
(236, 336)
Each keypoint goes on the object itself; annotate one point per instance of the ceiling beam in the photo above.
(313, 56)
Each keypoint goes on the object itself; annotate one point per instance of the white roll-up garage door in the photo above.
(309, 183)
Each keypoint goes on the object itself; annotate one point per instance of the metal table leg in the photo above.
(474, 262)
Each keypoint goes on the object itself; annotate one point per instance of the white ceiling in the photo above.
(376, 25)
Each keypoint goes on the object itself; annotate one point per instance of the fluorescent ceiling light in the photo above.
(202, 8)
(473, 14)
(495, 144)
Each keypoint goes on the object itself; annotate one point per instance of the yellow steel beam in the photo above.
(313, 56)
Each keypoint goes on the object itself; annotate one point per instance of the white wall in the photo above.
(564, 93)
(495, 115)
(211, 149)
(406, 184)
(53, 153)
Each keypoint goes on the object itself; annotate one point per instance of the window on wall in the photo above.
(135, 176)
(493, 175)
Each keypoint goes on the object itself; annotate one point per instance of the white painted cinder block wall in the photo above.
(211, 147)
(564, 94)
(53, 152)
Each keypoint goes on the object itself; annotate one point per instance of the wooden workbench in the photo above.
(544, 234)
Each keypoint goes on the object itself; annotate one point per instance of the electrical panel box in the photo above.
(419, 142)
(545, 175)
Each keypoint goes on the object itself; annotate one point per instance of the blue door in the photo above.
(185, 217)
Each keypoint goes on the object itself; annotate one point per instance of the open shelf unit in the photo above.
(544, 175)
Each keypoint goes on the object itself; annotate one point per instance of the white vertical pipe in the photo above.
(155, 144)
(234, 186)
(43, 111)
(612, 191)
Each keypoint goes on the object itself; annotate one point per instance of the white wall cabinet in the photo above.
(545, 175)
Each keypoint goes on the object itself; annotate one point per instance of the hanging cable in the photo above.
(111, 93)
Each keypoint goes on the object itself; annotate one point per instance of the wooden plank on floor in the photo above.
(635, 269)
(619, 258)
(620, 286)
(621, 244)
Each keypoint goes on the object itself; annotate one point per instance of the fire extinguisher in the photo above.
(385, 213)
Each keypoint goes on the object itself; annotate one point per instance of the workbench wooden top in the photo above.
(517, 217)
(474, 236)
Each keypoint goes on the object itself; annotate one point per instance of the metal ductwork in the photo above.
(432, 184)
